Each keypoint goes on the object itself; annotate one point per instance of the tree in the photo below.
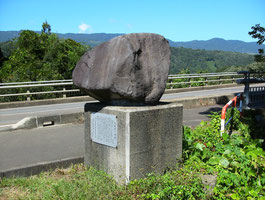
(46, 28)
(41, 57)
(7, 47)
(2, 58)
(258, 32)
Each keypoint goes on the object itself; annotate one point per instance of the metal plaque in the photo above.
(103, 129)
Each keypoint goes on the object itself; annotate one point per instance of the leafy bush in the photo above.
(177, 184)
(237, 159)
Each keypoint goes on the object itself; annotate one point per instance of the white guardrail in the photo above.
(204, 78)
(28, 89)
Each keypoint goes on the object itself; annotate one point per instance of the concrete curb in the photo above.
(26, 123)
(195, 102)
(42, 121)
(41, 167)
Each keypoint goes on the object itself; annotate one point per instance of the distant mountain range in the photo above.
(212, 44)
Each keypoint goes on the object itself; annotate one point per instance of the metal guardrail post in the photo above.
(171, 85)
(64, 94)
(246, 90)
(28, 95)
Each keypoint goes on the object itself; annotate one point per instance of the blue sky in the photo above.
(178, 20)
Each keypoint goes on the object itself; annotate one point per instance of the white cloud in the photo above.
(84, 28)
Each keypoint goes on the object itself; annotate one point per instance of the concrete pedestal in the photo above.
(149, 139)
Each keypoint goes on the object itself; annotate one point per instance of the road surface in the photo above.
(13, 115)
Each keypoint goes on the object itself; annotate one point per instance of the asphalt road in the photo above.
(30, 147)
(193, 117)
(13, 115)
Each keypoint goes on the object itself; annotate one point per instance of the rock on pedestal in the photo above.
(130, 68)
(129, 142)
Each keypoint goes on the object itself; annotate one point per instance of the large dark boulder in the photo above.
(129, 68)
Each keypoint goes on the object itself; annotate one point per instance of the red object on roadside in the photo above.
(230, 103)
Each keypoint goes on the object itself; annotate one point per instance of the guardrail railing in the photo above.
(204, 79)
(17, 91)
(36, 88)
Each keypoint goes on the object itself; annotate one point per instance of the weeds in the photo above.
(238, 159)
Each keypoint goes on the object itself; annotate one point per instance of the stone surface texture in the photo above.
(128, 68)
(149, 139)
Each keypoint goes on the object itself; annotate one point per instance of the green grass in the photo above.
(76, 182)
(237, 160)
(80, 182)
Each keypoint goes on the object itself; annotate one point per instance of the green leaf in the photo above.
(252, 173)
(253, 154)
(199, 146)
(227, 152)
(225, 136)
(235, 164)
(214, 161)
(209, 144)
(235, 196)
(224, 162)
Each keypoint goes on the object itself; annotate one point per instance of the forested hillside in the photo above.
(44, 56)
(220, 44)
(94, 39)
(207, 61)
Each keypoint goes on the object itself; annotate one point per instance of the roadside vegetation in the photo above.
(236, 160)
